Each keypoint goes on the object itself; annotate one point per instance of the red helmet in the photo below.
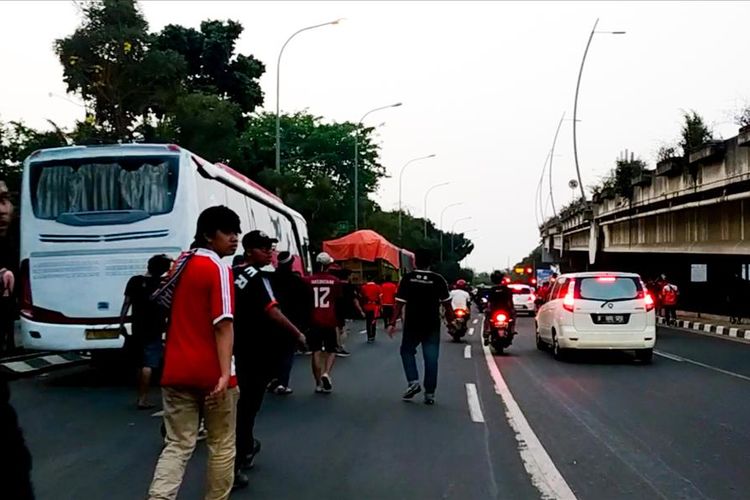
(461, 284)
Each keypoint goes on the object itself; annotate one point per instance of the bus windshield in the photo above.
(146, 184)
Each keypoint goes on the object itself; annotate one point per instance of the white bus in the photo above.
(91, 216)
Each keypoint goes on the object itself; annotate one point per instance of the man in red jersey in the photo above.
(327, 292)
(371, 299)
(388, 299)
(197, 375)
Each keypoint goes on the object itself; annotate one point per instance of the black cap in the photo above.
(257, 239)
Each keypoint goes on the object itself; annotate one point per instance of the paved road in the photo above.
(612, 428)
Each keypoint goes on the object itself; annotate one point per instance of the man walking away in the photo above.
(420, 295)
(669, 296)
(327, 294)
(261, 328)
(197, 375)
(9, 257)
(295, 301)
(371, 297)
(148, 323)
(736, 294)
(388, 299)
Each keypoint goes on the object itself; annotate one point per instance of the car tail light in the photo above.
(26, 300)
(532, 298)
(570, 299)
(649, 300)
(607, 279)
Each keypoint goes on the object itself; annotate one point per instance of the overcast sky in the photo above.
(483, 85)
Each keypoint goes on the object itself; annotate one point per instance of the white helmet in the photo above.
(324, 258)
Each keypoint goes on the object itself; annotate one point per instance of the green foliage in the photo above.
(138, 83)
(742, 117)
(17, 141)
(317, 167)
(694, 134)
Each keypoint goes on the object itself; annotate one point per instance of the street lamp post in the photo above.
(425, 203)
(441, 225)
(356, 160)
(453, 230)
(575, 103)
(278, 88)
(400, 184)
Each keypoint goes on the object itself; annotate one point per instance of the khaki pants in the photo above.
(182, 409)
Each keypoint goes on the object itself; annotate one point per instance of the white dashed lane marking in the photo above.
(475, 410)
(471, 331)
(467, 352)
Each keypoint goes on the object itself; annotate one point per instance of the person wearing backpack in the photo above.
(198, 366)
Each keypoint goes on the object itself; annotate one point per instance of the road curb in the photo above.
(30, 365)
(725, 331)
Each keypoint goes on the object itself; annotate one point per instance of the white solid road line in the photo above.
(680, 359)
(475, 410)
(467, 352)
(471, 331)
(544, 474)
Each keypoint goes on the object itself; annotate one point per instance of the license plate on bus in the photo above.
(102, 334)
(610, 319)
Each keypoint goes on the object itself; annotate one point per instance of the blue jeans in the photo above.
(430, 352)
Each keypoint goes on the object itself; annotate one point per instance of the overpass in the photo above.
(689, 219)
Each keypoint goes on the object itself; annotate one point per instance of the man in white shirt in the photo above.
(460, 298)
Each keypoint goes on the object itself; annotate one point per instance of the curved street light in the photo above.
(400, 184)
(356, 159)
(453, 229)
(575, 103)
(425, 203)
(278, 88)
(441, 225)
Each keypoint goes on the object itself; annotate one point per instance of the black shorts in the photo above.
(322, 339)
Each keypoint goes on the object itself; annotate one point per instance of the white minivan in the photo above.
(598, 310)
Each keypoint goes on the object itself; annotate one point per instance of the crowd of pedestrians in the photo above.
(232, 332)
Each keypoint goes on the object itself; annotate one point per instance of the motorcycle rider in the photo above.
(500, 298)
(460, 298)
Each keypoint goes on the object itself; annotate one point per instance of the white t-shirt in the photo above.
(460, 299)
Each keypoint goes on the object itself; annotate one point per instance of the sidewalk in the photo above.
(709, 323)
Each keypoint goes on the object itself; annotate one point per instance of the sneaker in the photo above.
(319, 389)
(429, 399)
(250, 457)
(272, 385)
(370, 341)
(283, 391)
(342, 353)
(202, 432)
(412, 390)
(240, 480)
(325, 381)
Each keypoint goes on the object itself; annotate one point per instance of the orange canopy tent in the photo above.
(369, 246)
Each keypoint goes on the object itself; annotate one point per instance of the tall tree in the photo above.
(317, 171)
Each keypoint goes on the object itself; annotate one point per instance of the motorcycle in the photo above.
(500, 334)
(482, 304)
(457, 328)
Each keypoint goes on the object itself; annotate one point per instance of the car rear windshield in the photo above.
(112, 183)
(609, 288)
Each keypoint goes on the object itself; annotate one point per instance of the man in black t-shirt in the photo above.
(420, 294)
(260, 328)
(148, 323)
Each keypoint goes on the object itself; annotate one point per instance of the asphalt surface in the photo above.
(613, 428)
